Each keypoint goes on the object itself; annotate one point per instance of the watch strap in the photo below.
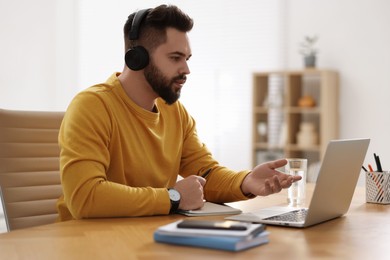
(174, 205)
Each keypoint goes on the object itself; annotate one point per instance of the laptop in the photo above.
(333, 192)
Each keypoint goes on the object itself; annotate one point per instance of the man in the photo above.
(124, 143)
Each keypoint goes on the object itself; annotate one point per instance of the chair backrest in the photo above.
(29, 167)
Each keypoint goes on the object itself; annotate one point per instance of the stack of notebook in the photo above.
(223, 235)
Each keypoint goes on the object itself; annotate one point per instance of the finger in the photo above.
(296, 178)
(267, 187)
(277, 185)
(201, 180)
(277, 163)
(291, 179)
(201, 204)
(286, 183)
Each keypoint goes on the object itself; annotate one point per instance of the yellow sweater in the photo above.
(118, 160)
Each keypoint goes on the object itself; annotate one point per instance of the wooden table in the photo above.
(363, 233)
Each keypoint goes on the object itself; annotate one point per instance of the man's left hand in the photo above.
(265, 179)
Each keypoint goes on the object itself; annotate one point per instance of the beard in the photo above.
(163, 86)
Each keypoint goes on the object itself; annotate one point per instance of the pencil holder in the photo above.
(378, 187)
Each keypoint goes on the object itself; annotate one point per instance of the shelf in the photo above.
(306, 110)
(261, 110)
(288, 147)
(279, 119)
(296, 110)
(266, 146)
(294, 147)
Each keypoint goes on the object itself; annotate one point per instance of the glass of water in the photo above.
(297, 191)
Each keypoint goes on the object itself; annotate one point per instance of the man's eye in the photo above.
(175, 58)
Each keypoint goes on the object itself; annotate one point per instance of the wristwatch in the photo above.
(174, 196)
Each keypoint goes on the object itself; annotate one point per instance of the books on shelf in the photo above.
(210, 209)
(216, 236)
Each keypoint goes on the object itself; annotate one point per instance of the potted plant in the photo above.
(308, 51)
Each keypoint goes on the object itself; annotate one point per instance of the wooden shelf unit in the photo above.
(322, 85)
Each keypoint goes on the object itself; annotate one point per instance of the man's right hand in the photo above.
(191, 192)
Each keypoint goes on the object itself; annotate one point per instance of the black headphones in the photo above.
(137, 57)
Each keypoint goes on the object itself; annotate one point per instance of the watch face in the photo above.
(174, 195)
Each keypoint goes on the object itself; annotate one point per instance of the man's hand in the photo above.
(191, 192)
(265, 180)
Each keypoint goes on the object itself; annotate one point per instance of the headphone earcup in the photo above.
(137, 58)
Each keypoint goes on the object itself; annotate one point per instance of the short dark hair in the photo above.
(152, 31)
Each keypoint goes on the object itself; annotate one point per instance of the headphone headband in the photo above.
(136, 24)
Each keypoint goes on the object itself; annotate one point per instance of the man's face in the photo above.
(167, 70)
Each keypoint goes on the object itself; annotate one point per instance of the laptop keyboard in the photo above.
(292, 216)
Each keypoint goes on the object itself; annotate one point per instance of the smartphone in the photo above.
(211, 224)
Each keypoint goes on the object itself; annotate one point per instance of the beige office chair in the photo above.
(29, 167)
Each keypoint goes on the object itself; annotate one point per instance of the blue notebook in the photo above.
(222, 243)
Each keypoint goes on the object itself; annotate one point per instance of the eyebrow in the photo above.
(181, 54)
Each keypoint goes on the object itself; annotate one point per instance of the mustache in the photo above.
(180, 77)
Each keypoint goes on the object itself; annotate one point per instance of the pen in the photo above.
(364, 169)
(378, 163)
(204, 175)
(369, 167)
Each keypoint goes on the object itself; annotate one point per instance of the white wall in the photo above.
(354, 38)
(38, 52)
